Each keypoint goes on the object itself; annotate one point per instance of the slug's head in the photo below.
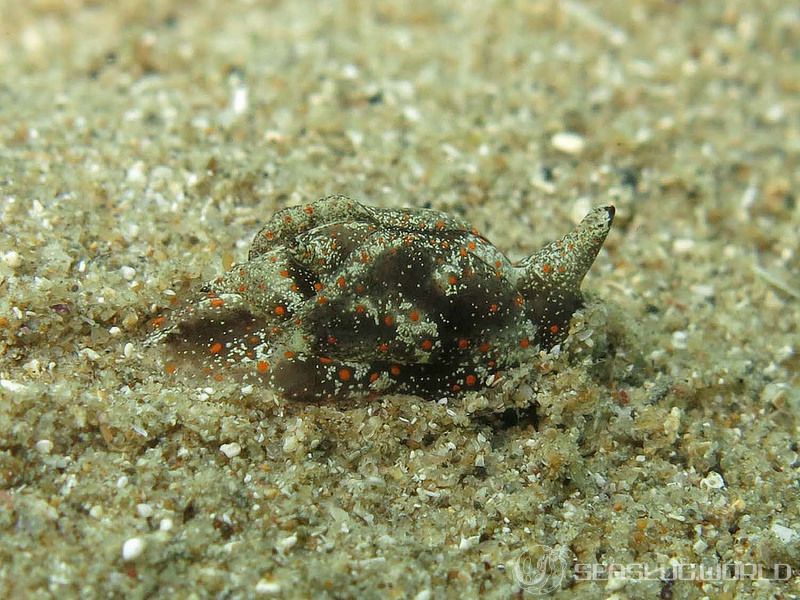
(550, 280)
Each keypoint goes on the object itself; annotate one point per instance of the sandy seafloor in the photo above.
(143, 144)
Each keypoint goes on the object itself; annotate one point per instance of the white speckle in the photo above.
(128, 273)
(713, 481)
(412, 114)
(268, 588)
(136, 173)
(350, 71)
(165, 524)
(423, 595)
(785, 534)
(568, 142)
(702, 290)
(640, 458)
(114, 331)
(700, 546)
(122, 481)
(96, 511)
(682, 245)
(132, 549)
(247, 389)
(144, 510)
(44, 446)
(239, 102)
(775, 113)
(12, 259)
(128, 350)
(231, 450)
(679, 339)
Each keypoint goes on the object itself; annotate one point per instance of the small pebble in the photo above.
(127, 272)
(44, 446)
(713, 481)
(165, 524)
(231, 450)
(682, 245)
(785, 534)
(132, 549)
(114, 331)
(568, 142)
(268, 588)
(144, 510)
(12, 259)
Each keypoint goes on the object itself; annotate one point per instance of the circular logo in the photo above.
(540, 570)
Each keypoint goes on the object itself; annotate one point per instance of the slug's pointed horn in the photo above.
(563, 264)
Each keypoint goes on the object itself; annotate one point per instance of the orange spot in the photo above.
(341, 282)
(373, 377)
(269, 235)
(519, 300)
(309, 210)
(546, 268)
(439, 225)
(217, 302)
(215, 348)
(345, 374)
(157, 322)
(413, 315)
(280, 311)
(383, 347)
(262, 366)
(289, 354)
(218, 377)
(462, 251)
(463, 343)
(318, 286)
(242, 289)
(471, 380)
(322, 300)
(554, 328)
(285, 273)
(524, 343)
(388, 320)
(360, 288)
(562, 269)
(250, 354)
(395, 370)
(364, 257)
(325, 360)
(361, 309)
(292, 287)
(287, 219)
(498, 264)
(331, 340)
(455, 387)
(472, 245)
(427, 345)
(494, 308)
(452, 280)
(484, 347)
(273, 259)
(170, 368)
